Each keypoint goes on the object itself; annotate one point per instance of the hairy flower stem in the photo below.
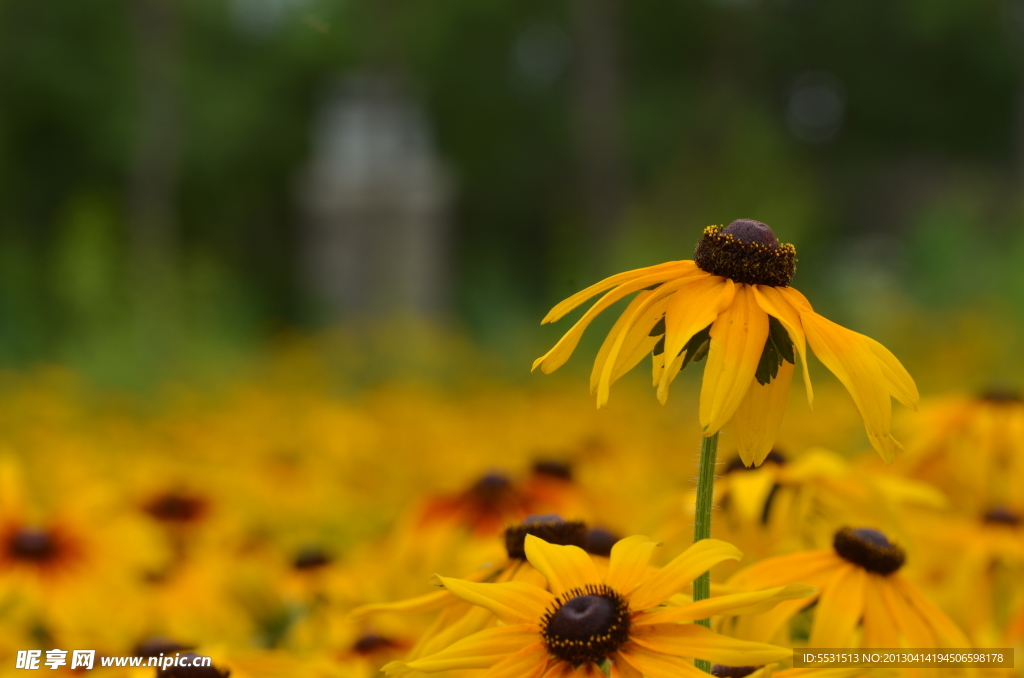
(702, 523)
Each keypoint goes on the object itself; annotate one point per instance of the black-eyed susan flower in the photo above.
(732, 304)
(864, 600)
(584, 620)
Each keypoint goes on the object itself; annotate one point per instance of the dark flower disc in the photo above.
(870, 549)
(746, 251)
(586, 624)
(550, 528)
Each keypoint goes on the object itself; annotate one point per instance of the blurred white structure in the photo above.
(377, 197)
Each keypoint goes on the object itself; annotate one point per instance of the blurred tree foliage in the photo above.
(910, 193)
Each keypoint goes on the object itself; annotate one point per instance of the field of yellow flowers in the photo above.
(288, 527)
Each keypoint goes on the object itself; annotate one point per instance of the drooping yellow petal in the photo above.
(901, 384)
(693, 640)
(675, 576)
(657, 665)
(513, 602)
(622, 669)
(529, 662)
(561, 351)
(880, 629)
(667, 270)
(750, 602)
(628, 562)
(749, 492)
(636, 337)
(427, 603)
(839, 608)
(695, 307)
(948, 633)
(737, 340)
(850, 358)
(479, 651)
(755, 426)
(671, 291)
(454, 623)
(809, 567)
(664, 378)
(566, 567)
(779, 303)
(913, 628)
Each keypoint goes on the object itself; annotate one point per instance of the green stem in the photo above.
(702, 523)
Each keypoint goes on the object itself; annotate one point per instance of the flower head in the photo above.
(585, 620)
(861, 585)
(733, 306)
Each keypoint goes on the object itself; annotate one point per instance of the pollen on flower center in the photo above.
(746, 251)
(32, 544)
(869, 549)
(586, 625)
(550, 528)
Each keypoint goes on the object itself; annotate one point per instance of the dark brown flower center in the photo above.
(1001, 395)
(550, 528)
(32, 544)
(553, 469)
(176, 508)
(870, 549)
(600, 542)
(732, 671)
(746, 251)
(1001, 515)
(371, 643)
(311, 559)
(586, 625)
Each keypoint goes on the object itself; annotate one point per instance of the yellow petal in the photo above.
(479, 651)
(628, 562)
(454, 623)
(670, 291)
(749, 492)
(851, 359)
(839, 608)
(901, 384)
(680, 573)
(667, 376)
(561, 351)
(426, 603)
(636, 337)
(622, 669)
(751, 602)
(693, 308)
(780, 303)
(657, 665)
(879, 621)
(529, 662)
(667, 270)
(737, 340)
(693, 640)
(947, 631)
(913, 628)
(755, 426)
(565, 567)
(513, 602)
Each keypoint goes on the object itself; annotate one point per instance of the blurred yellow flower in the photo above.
(588, 620)
(733, 305)
(860, 585)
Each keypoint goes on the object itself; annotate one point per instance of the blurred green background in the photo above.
(184, 181)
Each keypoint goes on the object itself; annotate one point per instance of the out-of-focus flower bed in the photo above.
(248, 522)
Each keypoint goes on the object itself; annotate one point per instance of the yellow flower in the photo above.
(733, 304)
(860, 584)
(588, 619)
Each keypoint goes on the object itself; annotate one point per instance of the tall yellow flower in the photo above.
(733, 305)
(617, 620)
